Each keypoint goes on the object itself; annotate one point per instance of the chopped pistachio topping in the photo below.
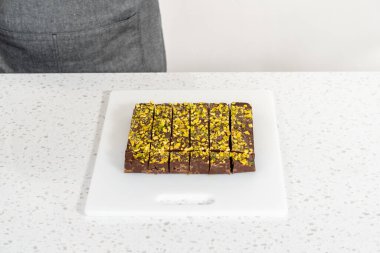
(244, 158)
(219, 127)
(199, 126)
(241, 127)
(158, 157)
(219, 157)
(179, 156)
(201, 130)
(162, 127)
(140, 134)
(203, 154)
(180, 127)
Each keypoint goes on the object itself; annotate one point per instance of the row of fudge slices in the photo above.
(191, 138)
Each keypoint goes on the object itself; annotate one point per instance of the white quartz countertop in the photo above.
(329, 127)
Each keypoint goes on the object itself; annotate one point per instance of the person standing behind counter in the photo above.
(81, 36)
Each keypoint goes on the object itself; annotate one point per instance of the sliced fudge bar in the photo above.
(241, 127)
(180, 139)
(242, 144)
(220, 162)
(179, 162)
(219, 127)
(199, 161)
(162, 127)
(161, 132)
(199, 129)
(139, 139)
(141, 127)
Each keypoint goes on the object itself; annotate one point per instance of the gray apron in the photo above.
(81, 36)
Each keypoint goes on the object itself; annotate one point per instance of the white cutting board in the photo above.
(115, 193)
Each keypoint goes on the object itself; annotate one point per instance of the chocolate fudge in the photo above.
(242, 149)
(139, 139)
(135, 161)
(219, 127)
(243, 161)
(199, 138)
(160, 146)
(193, 138)
(179, 162)
(180, 139)
(199, 161)
(158, 162)
(219, 138)
(220, 162)
(199, 129)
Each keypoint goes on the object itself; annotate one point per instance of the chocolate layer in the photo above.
(179, 162)
(199, 162)
(220, 162)
(161, 132)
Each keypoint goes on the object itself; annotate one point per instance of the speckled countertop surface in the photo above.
(329, 129)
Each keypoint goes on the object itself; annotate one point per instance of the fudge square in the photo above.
(180, 139)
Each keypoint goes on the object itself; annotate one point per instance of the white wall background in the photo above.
(271, 35)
